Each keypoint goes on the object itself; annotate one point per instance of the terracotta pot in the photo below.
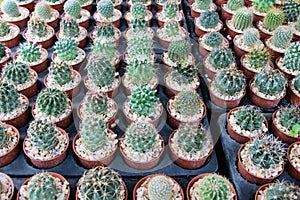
(161, 23)
(53, 23)
(12, 42)
(232, 33)
(128, 22)
(294, 172)
(58, 7)
(93, 163)
(262, 33)
(220, 2)
(22, 22)
(296, 38)
(21, 119)
(251, 177)
(116, 65)
(45, 44)
(248, 3)
(140, 182)
(257, 18)
(185, 163)
(191, 1)
(76, 66)
(29, 5)
(286, 75)
(196, 14)
(111, 94)
(32, 90)
(85, 24)
(225, 13)
(148, 4)
(82, 42)
(293, 96)
(237, 50)
(247, 72)
(128, 90)
(7, 60)
(236, 136)
(88, 7)
(116, 42)
(262, 102)
(52, 174)
(195, 179)
(204, 51)
(164, 43)
(199, 32)
(116, 23)
(274, 53)
(45, 164)
(11, 183)
(14, 152)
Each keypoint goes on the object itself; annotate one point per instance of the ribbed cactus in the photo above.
(184, 74)
(140, 72)
(172, 27)
(72, 8)
(235, 4)
(3, 136)
(138, 10)
(105, 8)
(178, 52)
(30, 52)
(292, 57)
(266, 152)
(4, 28)
(213, 39)
(273, 19)
(105, 30)
(10, 8)
(242, 19)
(282, 190)
(170, 9)
(270, 82)
(289, 117)
(143, 101)
(52, 102)
(291, 9)
(37, 27)
(230, 82)
(297, 83)
(66, 49)
(95, 104)
(187, 103)
(263, 5)
(203, 4)
(221, 58)
(9, 98)
(60, 72)
(209, 19)
(69, 27)
(100, 183)
(2, 51)
(43, 10)
(104, 48)
(160, 188)
(141, 136)
(249, 118)
(282, 36)
(16, 73)
(251, 37)
(259, 57)
(42, 186)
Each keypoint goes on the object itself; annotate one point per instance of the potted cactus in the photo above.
(147, 3)
(142, 146)
(190, 146)
(45, 185)
(291, 10)
(158, 186)
(95, 144)
(106, 13)
(22, 77)
(53, 105)
(101, 182)
(210, 41)
(170, 11)
(73, 9)
(160, 4)
(200, 6)
(138, 11)
(293, 155)
(205, 186)
(294, 91)
(9, 34)
(230, 8)
(14, 14)
(61, 76)
(245, 123)
(14, 109)
(107, 32)
(186, 107)
(261, 159)
(207, 22)
(267, 88)
(45, 144)
(260, 8)
(66, 50)
(32, 55)
(56, 4)
(44, 11)
(6, 187)
(5, 55)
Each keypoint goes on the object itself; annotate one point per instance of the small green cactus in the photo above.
(209, 19)
(2, 51)
(69, 27)
(188, 103)
(138, 10)
(105, 31)
(104, 48)
(273, 19)
(172, 27)
(37, 27)
(213, 39)
(249, 118)
(143, 101)
(242, 19)
(251, 37)
(60, 72)
(289, 117)
(140, 72)
(3, 137)
(140, 46)
(95, 104)
(184, 74)
(297, 83)
(105, 8)
(138, 25)
(259, 57)
(16, 73)
(170, 9)
(292, 57)
(291, 9)
(282, 37)
(282, 190)
(9, 98)
(203, 4)
(82, 2)
(4, 28)
(73, 8)
(160, 188)
(221, 58)
(66, 49)
(263, 5)
(178, 51)
(10, 8)
(235, 4)
(30, 52)
(52, 102)
(43, 10)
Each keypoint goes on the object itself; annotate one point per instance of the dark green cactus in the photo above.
(178, 52)
(9, 98)
(213, 39)
(16, 72)
(105, 8)
(184, 74)
(138, 10)
(2, 51)
(66, 49)
(203, 4)
(292, 57)
(104, 48)
(172, 27)
(69, 27)
(282, 190)
(263, 5)
(105, 30)
(282, 36)
(259, 57)
(235, 4)
(140, 72)
(4, 28)
(138, 25)
(249, 118)
(60, 72)
(188, 103)
(10, 8)
(273, 19)
(251, 37)
(37, 27)
(160, 188)
(291, 9)
(3, 137)
(42, 186)
(30, 52)
(43, 10)
(221, 58)
(209, 19)
(72, 8)
(170, 9)
(289, 117)
(96, 104)
(242, 19)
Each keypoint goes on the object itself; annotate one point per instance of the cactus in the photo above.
(95, 104)
(140, 72)
(43, 10)
(4, 28)
(66, 49)
(172, 27)
(273, 19)
(138, 25)
(249, 118)
(42, 186)
(213, 39)
(100, 183)
(60, 72)
(184, 74)
(259, 57)
(282, 36)
(2, 51)
(297, 24)
(37, 27)
(104, 48)
(140, 46)
(297, 83)
(235, 4)
(82, 2)
(160, 188)
(178, 52)
(203, 4)
(209, 19)
(251, 37)
(3, 137)
(105, 30)
(187, 103)
(138, 10)
(141, 136)
(263, 5)
(170, 9)
(30, 52)
(105, 8)
(230, 82)
(73, 8)
(9, 98)
(291, 9)
(69, 27)
(16, 72)
(266, 152)
(221, 58)
(282, 190)
(289, 117)
(10, 8)
(242, 19)
(292, 57)
(52, 102)
(143, 101)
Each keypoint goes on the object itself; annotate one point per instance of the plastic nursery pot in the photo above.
(85, 24)
(29, 5)
(59, 6)
(11, 184)
(263, 34)
(45, 164)
(116, 41)
(229, 31)
(164, 43)
(116, 64)
(161, 23)
(94, 163)
(248, 72)
(261, 188)
(257, 17)
(82, 42)
(200, 32)
(220, 2)
(236, 136)
(204, 51)
(273, 52)
(14, 40)
(279, 66)
(53, 22)
(293, 171)
(45, 44)
(195, 179)
(142, 165)
(263, 102)
(61, 178)
(237, 50)
(21, 23)
(32, 90)
(296, 37)
(293, 96)
(248, 3)
(5, 60)
(226, 13)
(251, 177)
(77, 65)
(196, 14)
(185, 163)
(88, 7)
(140, 183)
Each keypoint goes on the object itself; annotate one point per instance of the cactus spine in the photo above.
(178, 52)
(104, 48)
(138, 10)
(43, 10)
(10, 8)
(105, 8)
(172, 27)
(283, 190)
(69, 27)
(95, 104)
(160, 188)
(73, 8)
(291, 9)
(105, 31)
(242, 19)
(140, 72)
(213, 39)
(37, 27)
(170, 9)
(235, 4)
(259, 57)
(30, 52)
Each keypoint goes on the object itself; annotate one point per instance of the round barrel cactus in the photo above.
(178, 52)
(172, 27)
(188, 103)
(4, 28)
(203, 4)
(213, 39)
(9, 98)
(37, 27)
(283, 190)
(104, 48)
(170, 9)
(69, 27)
(43, 10)
(235, 4)
(105, 8)
(16, 73)
(42, 186)
(249, 118)
(292, 57)
(60, 72)
(95, 104)
(291, 9)
(160, 188)
(73, 8)
(10, 8)
(273, 19)
(282, 36)
(138, 10)
(66, 49)
(209, 19)
(251, 37)
(3, 136)
(105, 31)
(242, 19)
(184, 74)
(259, 57)
(30, 52)
(263, 5)
(140, 46)
(140, 72)
(221, 58)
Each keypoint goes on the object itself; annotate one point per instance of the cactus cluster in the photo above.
(263, 5)
(138, 10)
(30, 52)
(292, 57)
(291, 9)
(221, 58)
(203, 4)
(105, 8)
(273, 19)
(43, 10)
(2, 51)
(283, 190)
(187, 103)
(3, 137)
(259, 57)
(140, 72)
(69, 27)
(172, 27)
(289, 117)
(105, 31)
(282, 36)
(213, 39)
(73, 8)
(249, 118)
(209, 19)
(178, 52)
(4, 28)
(160, 188)
(37, 27)
(143, 101)
(10, 8)
(242, 19)
(251, 37)
(60, 72)
(104, 48)
(170, 9)
(95, 104)
(235, 4)
(184, 74)
(16, 72)
(66, 49)
(9, 98)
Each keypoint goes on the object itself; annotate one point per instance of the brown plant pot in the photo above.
(286, 75)
(58, 7)
(248, 3)
(220, 2)
(85, 24)
(261, 188)
(185, 163)
(236, 136)
(32, 90)
(205, 52)
(257, 18)
(274, 53)
(199, 32)
(296, 38)
(161, 23)
(94, 163)
(251, 177)
(45, 44)
(88, 7)
(75, 66)
(12, 42)
(263, 35)
(52, 174)
(164, 43)
(81, 43)
(128, 90)
(111, 94)
(196, 14)
(293, 97)
(291, 169)
(13, 153)
(22, 22)
(191, 1)
(232, 33)
(238, 51)
(114, 42)
(11, 183)
(248, 73)
(7, 60)
(29, 6)
(225, 14)
(45, 164)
